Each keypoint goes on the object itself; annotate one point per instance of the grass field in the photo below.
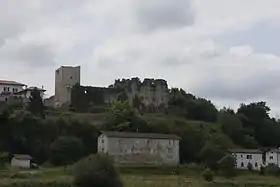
(59, 177)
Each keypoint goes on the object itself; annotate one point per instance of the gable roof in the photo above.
(5, 82)
(117, 134)
(246, 151)
(22, 157)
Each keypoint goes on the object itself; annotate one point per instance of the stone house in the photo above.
(140, 149)
(245, 156)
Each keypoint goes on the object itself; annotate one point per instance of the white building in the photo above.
(8, 88)
(245, 156)
(26, 93)
(140, 148)
(272, 156)
(22, 161)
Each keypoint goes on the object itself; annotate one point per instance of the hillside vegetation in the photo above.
(207, 133)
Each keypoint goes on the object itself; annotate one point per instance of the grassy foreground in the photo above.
(190, 177)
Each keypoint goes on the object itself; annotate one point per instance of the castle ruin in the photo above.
(149, 95)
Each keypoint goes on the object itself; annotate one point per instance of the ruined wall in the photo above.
(85, 97)
(150, 95)
(132, 151)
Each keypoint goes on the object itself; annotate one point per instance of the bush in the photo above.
(208, 175)
(66, 150)
(227, 166)
(96, 170)
(250, 166)
(272, 169)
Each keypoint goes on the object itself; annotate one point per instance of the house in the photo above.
(26, 93)
(8, 88)
(272, 156)
(21, 160)
(245, 156)
(140, 149)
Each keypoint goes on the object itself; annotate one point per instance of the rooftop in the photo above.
(6, 82)
(246, 151)
(117, 134)
(22, 157)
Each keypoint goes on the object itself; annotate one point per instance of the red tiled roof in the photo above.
(10, 83)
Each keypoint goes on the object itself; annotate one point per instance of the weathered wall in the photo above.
(132, 151)
(151, 94)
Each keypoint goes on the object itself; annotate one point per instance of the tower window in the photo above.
(71, 77)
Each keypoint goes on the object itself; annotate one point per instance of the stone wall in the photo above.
(133, 151)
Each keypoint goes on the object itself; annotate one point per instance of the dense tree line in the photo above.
(206, 133)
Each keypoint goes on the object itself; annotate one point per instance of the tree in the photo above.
(120, 114)
(66, 150)
(35, 104)
(96, 170)
(227, 166)
(211, 154)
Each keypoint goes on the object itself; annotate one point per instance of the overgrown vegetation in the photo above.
(206, 133)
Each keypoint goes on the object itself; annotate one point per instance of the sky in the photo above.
(224, 50)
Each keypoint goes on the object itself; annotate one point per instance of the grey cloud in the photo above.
(35, 55)
(264, 85)
(158, 14)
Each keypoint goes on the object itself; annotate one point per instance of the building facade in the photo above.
(65, 78)
(245, 157)
(22, 161)
(140, 149)
(8, 89)
(272, 156)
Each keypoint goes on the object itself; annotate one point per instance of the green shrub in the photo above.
(96, 170)
(227, 166)
(250, 166)
(272, 169)
(208, 175)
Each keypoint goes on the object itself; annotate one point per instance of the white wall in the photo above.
(271, 158)
(142, 151)
(11, 87)
(20, 163)
(243, 159)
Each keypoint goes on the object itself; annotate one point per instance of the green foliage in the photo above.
(35, 104)
(208, 175)
(211, 154)
(191, 107)
(66, 150)
(272, 169)
(227, 166)
(97, 170)
(250, 166)
(120, 114)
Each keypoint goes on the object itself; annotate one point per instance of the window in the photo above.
(256, 164)
(71, 77)
(102, 140)
(249, 157)
(242, 164)
(271, 157)
(241, 156)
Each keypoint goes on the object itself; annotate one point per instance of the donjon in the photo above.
(65, 78)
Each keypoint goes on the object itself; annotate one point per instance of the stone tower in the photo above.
(65, 78)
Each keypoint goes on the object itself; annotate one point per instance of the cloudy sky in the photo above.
(225, 50)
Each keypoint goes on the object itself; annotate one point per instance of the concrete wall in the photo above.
(243, 159)
(133, 151)
(65, 78)
(20, 163)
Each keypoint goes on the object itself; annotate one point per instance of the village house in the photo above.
(245, 157)
(8, 88)
(140, 148)
(272, 156)
(21, 160)
(26, 93)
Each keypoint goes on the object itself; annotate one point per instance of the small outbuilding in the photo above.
(21, 160)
